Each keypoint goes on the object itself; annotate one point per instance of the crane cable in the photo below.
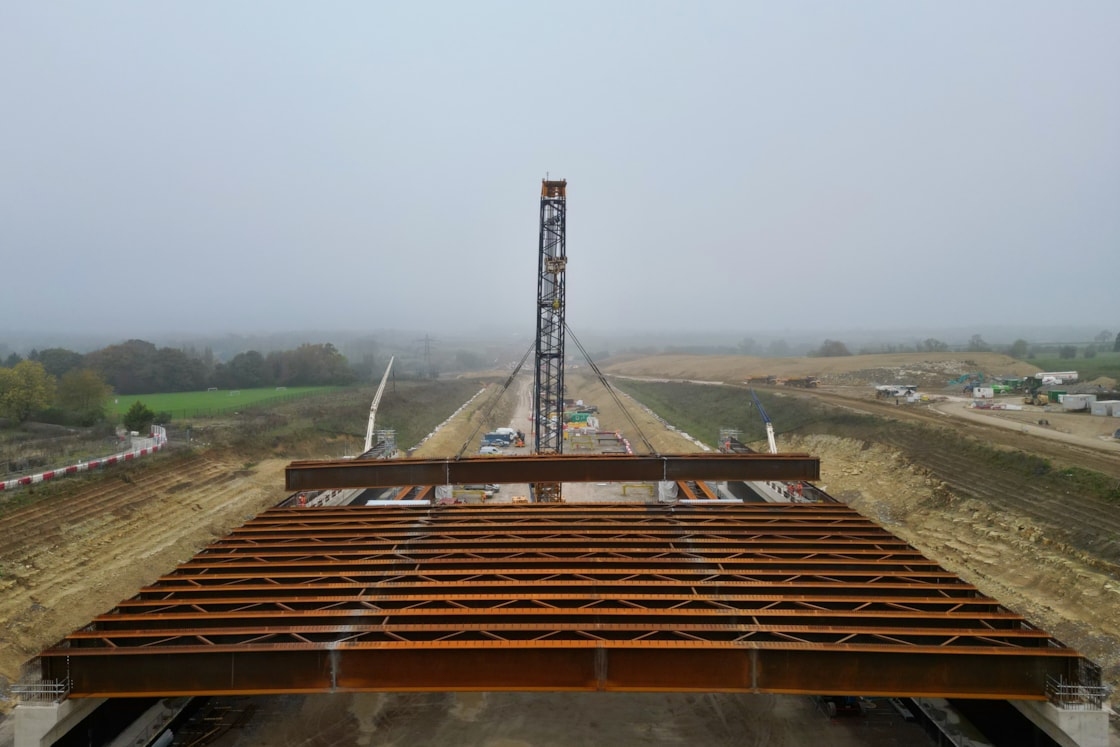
(494, 401)
(611, 390)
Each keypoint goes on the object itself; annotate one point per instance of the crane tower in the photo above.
(548, 383)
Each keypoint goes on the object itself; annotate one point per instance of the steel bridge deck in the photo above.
(751, 598)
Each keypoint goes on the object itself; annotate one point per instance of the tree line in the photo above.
(1020, 349)
(68, 387)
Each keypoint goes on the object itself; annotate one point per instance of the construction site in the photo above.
(585, 574)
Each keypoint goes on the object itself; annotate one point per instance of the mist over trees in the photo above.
(64, 387)
(61, 386)
(832, 349)
(139, 367)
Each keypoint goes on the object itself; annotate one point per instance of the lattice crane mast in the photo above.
(548, 378)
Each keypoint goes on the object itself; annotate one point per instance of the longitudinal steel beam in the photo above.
(746, 598)
(539, 665)
(316, 475)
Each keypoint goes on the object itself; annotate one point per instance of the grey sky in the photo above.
(261, 166)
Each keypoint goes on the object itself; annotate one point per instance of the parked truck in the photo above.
(1056, 377)
(495, 438)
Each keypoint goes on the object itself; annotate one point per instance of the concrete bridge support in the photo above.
(41, 724)
(1069, 728)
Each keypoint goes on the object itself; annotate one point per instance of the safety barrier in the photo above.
(157, 441)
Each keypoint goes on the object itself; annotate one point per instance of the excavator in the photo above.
(973, 379)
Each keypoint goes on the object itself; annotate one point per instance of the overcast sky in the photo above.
(247, 167)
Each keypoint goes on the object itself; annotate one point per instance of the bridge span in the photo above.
(618, 597)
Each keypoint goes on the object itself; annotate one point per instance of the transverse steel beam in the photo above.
(316, 475)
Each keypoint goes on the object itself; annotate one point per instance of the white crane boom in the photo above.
(373, 407)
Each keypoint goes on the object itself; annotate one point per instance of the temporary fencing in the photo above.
(141, 447)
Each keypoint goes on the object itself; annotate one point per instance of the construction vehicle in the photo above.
(973, 378)
(1056, 377)
(497, 438)
(1035, 394)
(807, 382)
(841, 705)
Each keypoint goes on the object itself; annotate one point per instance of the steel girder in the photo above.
(358, 473)
(750, 598)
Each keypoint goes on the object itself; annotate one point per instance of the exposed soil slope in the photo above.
(67, 559)
(922, 368)
(1015, 546)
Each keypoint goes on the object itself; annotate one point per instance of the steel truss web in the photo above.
(548, 407)
(753, 598)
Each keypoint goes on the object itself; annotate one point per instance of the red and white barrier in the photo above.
(157, 441)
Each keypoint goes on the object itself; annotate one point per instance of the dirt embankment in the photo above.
(74, 555)
(885, 368)
(1007, 554)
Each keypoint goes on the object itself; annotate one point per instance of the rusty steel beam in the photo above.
(354, 473)
(592, 666)
(710, 597)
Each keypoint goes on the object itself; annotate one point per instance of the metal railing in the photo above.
(1070, 696)
(32, 688)
(41, 691)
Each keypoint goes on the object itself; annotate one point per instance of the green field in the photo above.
(218, 402)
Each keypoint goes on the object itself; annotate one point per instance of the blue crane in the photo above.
(769, 425)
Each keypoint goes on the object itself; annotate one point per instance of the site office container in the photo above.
(1078, 402)
(1105, 407)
